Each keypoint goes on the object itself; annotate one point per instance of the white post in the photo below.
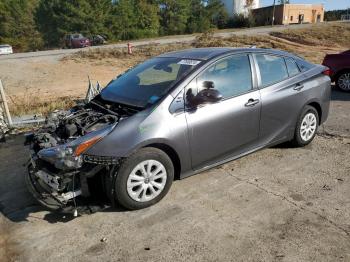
(4, 101)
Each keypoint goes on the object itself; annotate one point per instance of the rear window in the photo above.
(292, 67)
(272, 69)
(77, 36)
(303, 65)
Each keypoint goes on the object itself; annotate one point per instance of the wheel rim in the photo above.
(344, 82)
(146, 181)
(308, 126)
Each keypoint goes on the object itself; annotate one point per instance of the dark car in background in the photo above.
(173, 116)
(76, 41)
(339, 65)
(98, 39)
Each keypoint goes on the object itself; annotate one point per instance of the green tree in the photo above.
(198, 20)
(17, 26)
(217, 13)
(55, 18)
(174, 15)
(123, 19)
(135, 19)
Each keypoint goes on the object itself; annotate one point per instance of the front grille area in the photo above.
(101, 160)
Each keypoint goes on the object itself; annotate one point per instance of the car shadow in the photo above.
(16, 202)
(338, 95)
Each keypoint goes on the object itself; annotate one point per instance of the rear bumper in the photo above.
(326, 101)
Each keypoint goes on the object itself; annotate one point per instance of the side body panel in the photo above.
(153, 126)
(283, 102)
(220, 130)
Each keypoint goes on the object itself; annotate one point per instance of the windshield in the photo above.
(78, 36)
(148, 82)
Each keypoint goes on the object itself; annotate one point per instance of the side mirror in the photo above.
(208, 96)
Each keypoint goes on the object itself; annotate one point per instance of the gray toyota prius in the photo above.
(173, 116)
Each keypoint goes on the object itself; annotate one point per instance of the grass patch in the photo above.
(24, 104)
(139, 53)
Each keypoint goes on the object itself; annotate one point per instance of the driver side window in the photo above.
(231, 76)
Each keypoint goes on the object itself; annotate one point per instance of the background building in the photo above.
(239, 6)
(289, 14)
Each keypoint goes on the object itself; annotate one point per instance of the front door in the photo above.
(231, 126)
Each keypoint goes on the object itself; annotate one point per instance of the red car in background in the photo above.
(339, 65)
(76, 41)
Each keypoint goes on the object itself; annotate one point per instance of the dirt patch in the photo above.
(8, 251)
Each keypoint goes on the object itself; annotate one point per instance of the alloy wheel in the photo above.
(308, 126)
(344, 82)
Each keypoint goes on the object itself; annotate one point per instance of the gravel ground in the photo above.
(279, 204)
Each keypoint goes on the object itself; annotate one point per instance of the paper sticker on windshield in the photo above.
(189, 62)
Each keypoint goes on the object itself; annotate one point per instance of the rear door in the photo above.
(231, 126)
(281, 86)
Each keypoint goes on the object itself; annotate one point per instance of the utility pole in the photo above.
(273, 12)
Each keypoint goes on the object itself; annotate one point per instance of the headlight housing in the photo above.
(69, 156)
(80, 145)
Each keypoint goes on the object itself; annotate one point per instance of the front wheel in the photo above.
(307, 126)
(144, 178)
(343, 81)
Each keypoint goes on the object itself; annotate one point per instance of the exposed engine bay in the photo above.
(59, 171)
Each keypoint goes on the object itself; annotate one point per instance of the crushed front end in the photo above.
(60, 176)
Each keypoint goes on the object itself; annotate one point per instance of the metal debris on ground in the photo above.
(104, 239)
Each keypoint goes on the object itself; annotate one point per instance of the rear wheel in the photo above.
(144, 178)
(307, 126)
(343, 81)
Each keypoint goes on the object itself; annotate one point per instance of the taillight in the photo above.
(327, 72)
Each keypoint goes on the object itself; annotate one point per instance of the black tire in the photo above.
(298, 141)
(149, 153)
(339, 80)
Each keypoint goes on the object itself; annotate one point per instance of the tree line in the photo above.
(335, 14)
(39, 24)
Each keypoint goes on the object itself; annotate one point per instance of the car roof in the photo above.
(211, 52)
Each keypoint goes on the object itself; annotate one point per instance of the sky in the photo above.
(329, 4)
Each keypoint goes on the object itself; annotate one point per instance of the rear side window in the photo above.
(272, 69)
(303, 65)
(292, 67)
(231, 76)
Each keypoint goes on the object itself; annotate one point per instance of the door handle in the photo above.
(298, 87)
(252, 102)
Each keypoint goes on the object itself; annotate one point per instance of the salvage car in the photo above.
(76, 41)
(98, 40)
(173, 116)
(339, 65)
(5, 50)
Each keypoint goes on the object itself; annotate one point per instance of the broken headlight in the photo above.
(69, 156)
